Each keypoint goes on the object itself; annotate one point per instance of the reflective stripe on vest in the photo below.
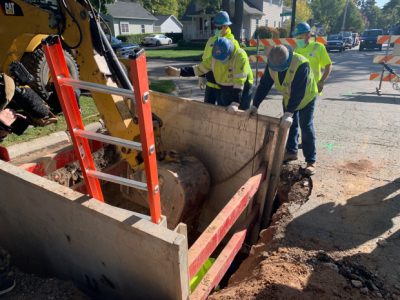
(231, 74)
(286, 86)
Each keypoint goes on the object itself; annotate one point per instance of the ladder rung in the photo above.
(119, 180)
(108, 139)
(95, 87)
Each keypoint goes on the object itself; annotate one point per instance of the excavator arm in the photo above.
(78, 25)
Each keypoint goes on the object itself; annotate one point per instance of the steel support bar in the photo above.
(216, 231)
(95, 87)
(117, 179)
(219, 268)
(108, 139)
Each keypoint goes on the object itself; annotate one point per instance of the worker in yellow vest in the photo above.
(231, 70)
(212, 93)
(292, 76)
(315, 52)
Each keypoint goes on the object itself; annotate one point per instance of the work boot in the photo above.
(310, 169)
(289, 156)
(6, 284)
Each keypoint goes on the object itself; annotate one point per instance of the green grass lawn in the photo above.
(185, 54)
(176, 54)
(163, 86)
(89, 115)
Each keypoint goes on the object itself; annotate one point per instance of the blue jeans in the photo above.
(304, 118)
(212, 95)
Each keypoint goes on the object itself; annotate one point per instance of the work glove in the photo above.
(233, 107)
(171, 71)
(287, 120)
(202, 83)
(252, 110)
(320, 86)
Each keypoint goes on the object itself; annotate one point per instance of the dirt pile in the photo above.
(71, 174)
(275, 270)
(32, 287)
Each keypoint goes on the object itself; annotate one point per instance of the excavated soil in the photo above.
(274, 270)
(33, 287)
(71, 174)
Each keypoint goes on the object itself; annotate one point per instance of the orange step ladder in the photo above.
(65, 85)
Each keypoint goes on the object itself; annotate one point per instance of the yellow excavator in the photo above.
(25, 23)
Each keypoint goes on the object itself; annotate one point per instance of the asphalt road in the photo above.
(351, 120)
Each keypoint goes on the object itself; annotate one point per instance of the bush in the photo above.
(176, 37)
(283, 32)
(265, 32)
(134, 38)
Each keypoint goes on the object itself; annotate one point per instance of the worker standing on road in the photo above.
(230, 67)
(292, 76)
(315, 52)
(212, 93)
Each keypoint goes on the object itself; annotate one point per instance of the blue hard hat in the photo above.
(222, 18)
(301, 28)
(222, 49)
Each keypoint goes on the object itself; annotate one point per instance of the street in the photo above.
(353, 211)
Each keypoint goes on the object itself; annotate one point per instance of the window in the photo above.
(143, 29)
(124, 27)
(201, 23)
(266, 22)
(274, 24)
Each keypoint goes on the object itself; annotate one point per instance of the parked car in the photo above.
(123, 49)
(348, 39)
(369, 39)
(356, 39)
(157, 40)
(335, 42)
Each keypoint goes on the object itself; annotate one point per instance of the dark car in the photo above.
(369, 39)
(335, 42)
(123, 49)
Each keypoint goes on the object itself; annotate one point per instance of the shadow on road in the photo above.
(369, 98)
(333, 227)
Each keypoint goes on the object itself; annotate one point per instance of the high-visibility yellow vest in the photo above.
(233, 73)
(286, 86)
(207, 53)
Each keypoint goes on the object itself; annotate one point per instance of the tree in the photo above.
(161, 7)
(354, 21)
(303, 11)
(182, 5)
(327, 12)
(391, 13)
(100, 6)
(371, 12)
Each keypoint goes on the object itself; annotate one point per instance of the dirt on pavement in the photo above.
(286, 265)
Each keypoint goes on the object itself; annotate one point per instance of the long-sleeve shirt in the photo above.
(298, 87)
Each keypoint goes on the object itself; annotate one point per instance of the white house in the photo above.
(167, 24)
(129, 18)
(197, 20)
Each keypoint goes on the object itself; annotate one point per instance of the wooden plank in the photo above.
(219, 268)
(219, 227)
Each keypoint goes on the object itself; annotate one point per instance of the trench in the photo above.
(294, 187)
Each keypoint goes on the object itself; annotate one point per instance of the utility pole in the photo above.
(345, 15)
(293, 21)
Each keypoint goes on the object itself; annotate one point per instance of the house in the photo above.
(197, 20)
(167, 24)
(129, 18)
